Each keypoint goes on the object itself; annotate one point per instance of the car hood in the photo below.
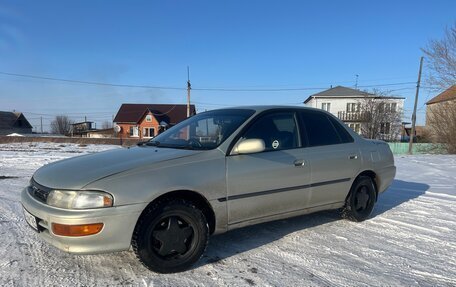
(77, 172)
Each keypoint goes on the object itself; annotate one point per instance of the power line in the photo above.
(294, 89)
(193, 88)
(90, 82)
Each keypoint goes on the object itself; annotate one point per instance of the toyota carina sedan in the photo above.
(214, 172)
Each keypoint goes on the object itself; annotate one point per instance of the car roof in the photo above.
(261, 108)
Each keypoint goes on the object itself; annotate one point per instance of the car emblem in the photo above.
(275, 144)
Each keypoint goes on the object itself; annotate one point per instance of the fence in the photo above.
(418, 148)
(396, 147)
(76, 140)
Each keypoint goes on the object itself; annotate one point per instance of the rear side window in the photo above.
(344, 135)
(319, 129)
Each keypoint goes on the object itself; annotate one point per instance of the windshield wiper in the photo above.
(153, 143)
(190, 147)
(148, 143)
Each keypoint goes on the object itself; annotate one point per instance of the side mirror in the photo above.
(249, 146)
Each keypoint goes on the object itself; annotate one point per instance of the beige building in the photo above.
(347, 104)
(441, 116)
(444, 99)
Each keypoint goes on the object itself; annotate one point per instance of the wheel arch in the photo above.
(373, 176)
(194, 197)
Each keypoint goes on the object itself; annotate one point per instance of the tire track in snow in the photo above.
(411, 226)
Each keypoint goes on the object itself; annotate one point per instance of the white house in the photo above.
(347, 104)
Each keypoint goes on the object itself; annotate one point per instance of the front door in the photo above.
(271, 182)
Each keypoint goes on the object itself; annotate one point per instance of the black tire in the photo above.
(361, 199)
(170, 236)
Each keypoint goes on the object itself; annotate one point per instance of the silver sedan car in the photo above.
(216, 171)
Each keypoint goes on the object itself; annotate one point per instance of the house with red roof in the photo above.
(148, 120)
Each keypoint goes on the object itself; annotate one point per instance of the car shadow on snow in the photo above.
(399, 192)
(248, 238)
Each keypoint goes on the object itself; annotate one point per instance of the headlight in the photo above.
(70, 199)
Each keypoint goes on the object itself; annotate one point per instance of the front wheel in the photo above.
(170, 236)
(361, 199)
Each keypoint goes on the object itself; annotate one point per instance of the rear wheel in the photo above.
(361, 200)
(170, 236)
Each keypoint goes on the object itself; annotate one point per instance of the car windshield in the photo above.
(203, 131)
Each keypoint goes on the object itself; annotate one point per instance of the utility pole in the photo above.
(356, 84)
(412, 132)
(41, 120)
(189, 87)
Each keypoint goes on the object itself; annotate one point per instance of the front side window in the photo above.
(278, 131)
(148, 118)
(203, 131)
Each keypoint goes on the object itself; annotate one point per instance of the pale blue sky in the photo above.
(227, 44)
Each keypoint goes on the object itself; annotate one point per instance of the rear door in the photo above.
(271, 182)
(333, 155)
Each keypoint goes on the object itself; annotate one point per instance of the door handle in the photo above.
(353, 156)
(299, 162)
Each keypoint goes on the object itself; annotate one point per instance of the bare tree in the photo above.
(61, 125)
(441, 120)
(380, 115)
(106, 125)
(441, 60)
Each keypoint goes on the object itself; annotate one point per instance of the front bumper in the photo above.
(119, 223)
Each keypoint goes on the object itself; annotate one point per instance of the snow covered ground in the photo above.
(410, 239)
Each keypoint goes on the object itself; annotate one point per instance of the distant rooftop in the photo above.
(169, 113)
(447, 95)
(344, 92)
(13, 119)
